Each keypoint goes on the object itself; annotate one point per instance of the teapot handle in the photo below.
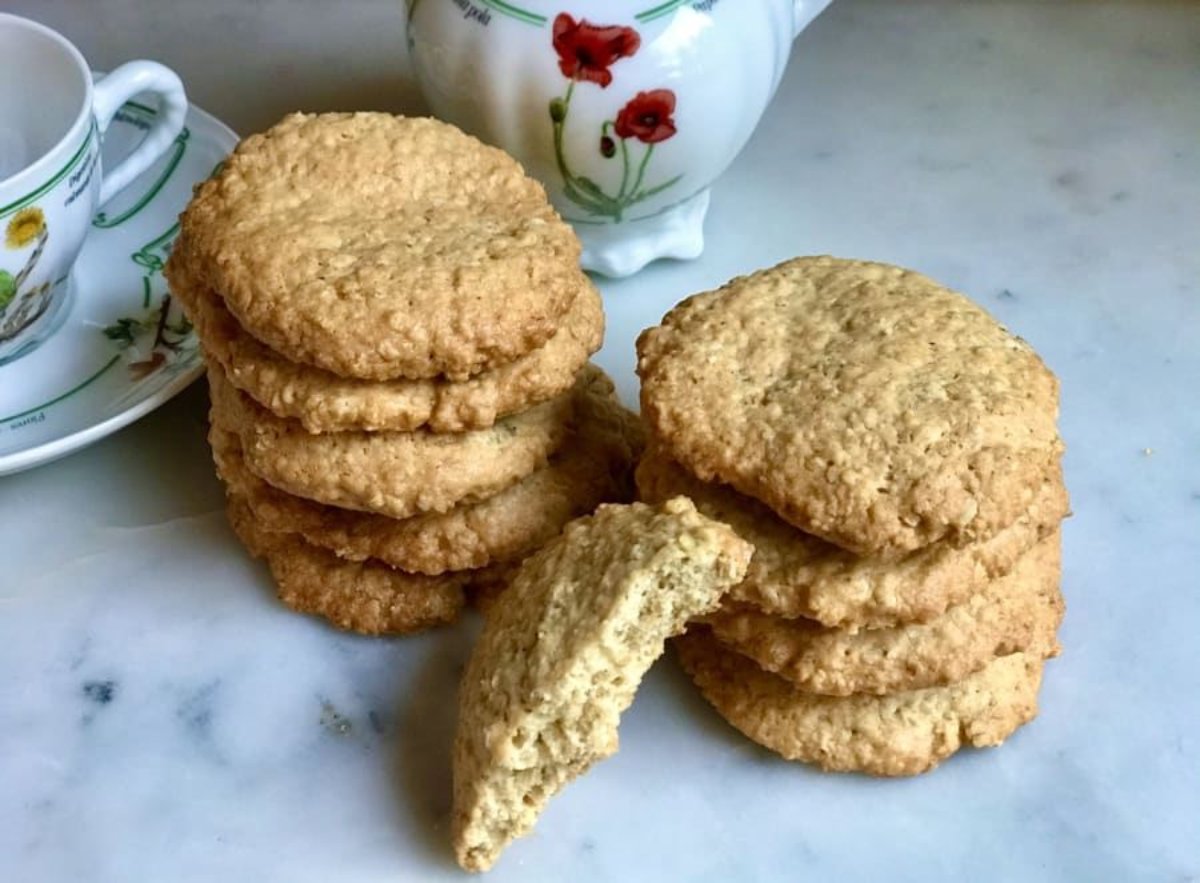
(804, 11)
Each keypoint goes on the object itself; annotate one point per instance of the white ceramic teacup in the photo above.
(51, 182)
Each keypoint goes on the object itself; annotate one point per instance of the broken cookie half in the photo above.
(563, 651)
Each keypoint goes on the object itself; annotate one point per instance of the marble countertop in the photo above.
(161, 718)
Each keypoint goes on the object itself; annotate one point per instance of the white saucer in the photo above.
(115, 358)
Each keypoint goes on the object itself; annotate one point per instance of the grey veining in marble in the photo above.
(162, 719)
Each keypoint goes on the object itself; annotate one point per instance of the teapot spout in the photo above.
(804, 11)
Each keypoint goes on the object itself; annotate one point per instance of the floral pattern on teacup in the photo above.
(21, 305)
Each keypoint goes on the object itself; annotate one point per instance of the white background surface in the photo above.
(1041, 157)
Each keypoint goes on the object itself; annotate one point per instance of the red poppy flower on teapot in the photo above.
(627, 110)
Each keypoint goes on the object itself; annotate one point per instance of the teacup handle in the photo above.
(118, 87)
(804, 11)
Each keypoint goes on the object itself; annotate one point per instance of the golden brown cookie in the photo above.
(1019, 612)
(400, 474)
(865, 404)
(562, 652)
(795, 574)
(898, 735)
(324, 402)
(378, 246)
(593, 466)
(365, 597)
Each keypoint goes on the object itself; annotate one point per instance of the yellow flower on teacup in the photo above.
(25, 226)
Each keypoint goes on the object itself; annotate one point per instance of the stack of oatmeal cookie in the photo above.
(892, 454)
(397, 332)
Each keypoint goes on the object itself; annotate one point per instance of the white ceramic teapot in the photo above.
(627, 110)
